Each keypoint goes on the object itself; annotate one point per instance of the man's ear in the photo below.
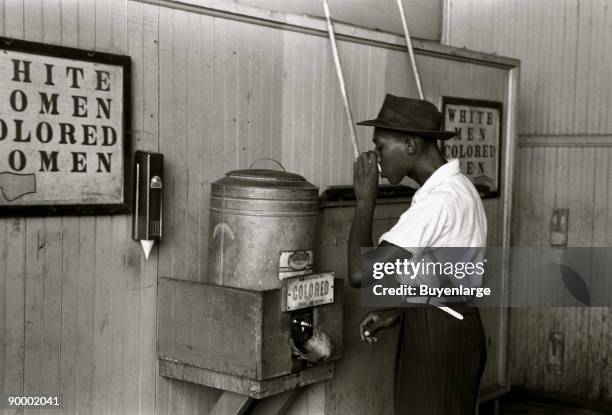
(411, 145)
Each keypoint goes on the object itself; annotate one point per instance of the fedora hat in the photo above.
(413, 116)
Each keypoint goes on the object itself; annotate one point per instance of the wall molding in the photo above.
(317, 26)
(565, 140)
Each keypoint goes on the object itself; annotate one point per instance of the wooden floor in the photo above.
(521, 406)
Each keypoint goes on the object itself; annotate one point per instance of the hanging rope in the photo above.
(417, 79)
(347, 107)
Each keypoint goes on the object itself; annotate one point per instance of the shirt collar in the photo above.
(448, 169)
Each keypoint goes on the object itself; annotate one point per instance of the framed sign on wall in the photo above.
(64, 123)
(477, 144)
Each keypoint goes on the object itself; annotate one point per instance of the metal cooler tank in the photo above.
(263, 226)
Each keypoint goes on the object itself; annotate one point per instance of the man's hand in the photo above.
(375, 321)
(365, 178)
(365, 184)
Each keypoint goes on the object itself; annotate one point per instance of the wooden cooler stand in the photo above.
(238, 340)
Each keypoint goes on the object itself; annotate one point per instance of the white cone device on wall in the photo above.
(148, 194)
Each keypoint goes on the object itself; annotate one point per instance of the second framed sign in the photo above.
(477, 145)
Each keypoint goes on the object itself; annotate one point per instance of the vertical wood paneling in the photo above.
(3, 264)
(126, 296)
(87, 244)
(165, 76)
(580, 234)
(532, 234)
(288, 117)
(518, 315)
(103, 22)
(564, 194)
(137, 390)
(15, 259)
(69, 334)
(579, 179)
(35, 235)
(581, 81)
(116, 366)
(33, 285)
(101, 320)
(232, 45)
(85, 319)
(183, 396)
(570, 36)
(51, 305)
(177, 146)
(70, 312)
(605, 353)
(542, 209)
(14, 328)
(243, 94)
(564, 91)
(205, 136)
(598, 366)
(193, 149)
(148, 286)
(546, 316)
(606, 333)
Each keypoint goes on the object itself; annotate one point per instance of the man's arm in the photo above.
(387, 317)
(365, 184)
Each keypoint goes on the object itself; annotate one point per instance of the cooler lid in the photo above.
(265, 175)
(265, 178)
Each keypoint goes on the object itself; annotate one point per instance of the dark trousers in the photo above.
(439, 361)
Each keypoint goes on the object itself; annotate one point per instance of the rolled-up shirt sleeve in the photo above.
(420, 226)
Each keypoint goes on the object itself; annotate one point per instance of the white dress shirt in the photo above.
(445, 212)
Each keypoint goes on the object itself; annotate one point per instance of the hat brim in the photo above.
(431, 134)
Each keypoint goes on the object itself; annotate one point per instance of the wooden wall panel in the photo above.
(566, 132)
(365, 369)
(579, 179)
(562, 45)
(86, 324)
